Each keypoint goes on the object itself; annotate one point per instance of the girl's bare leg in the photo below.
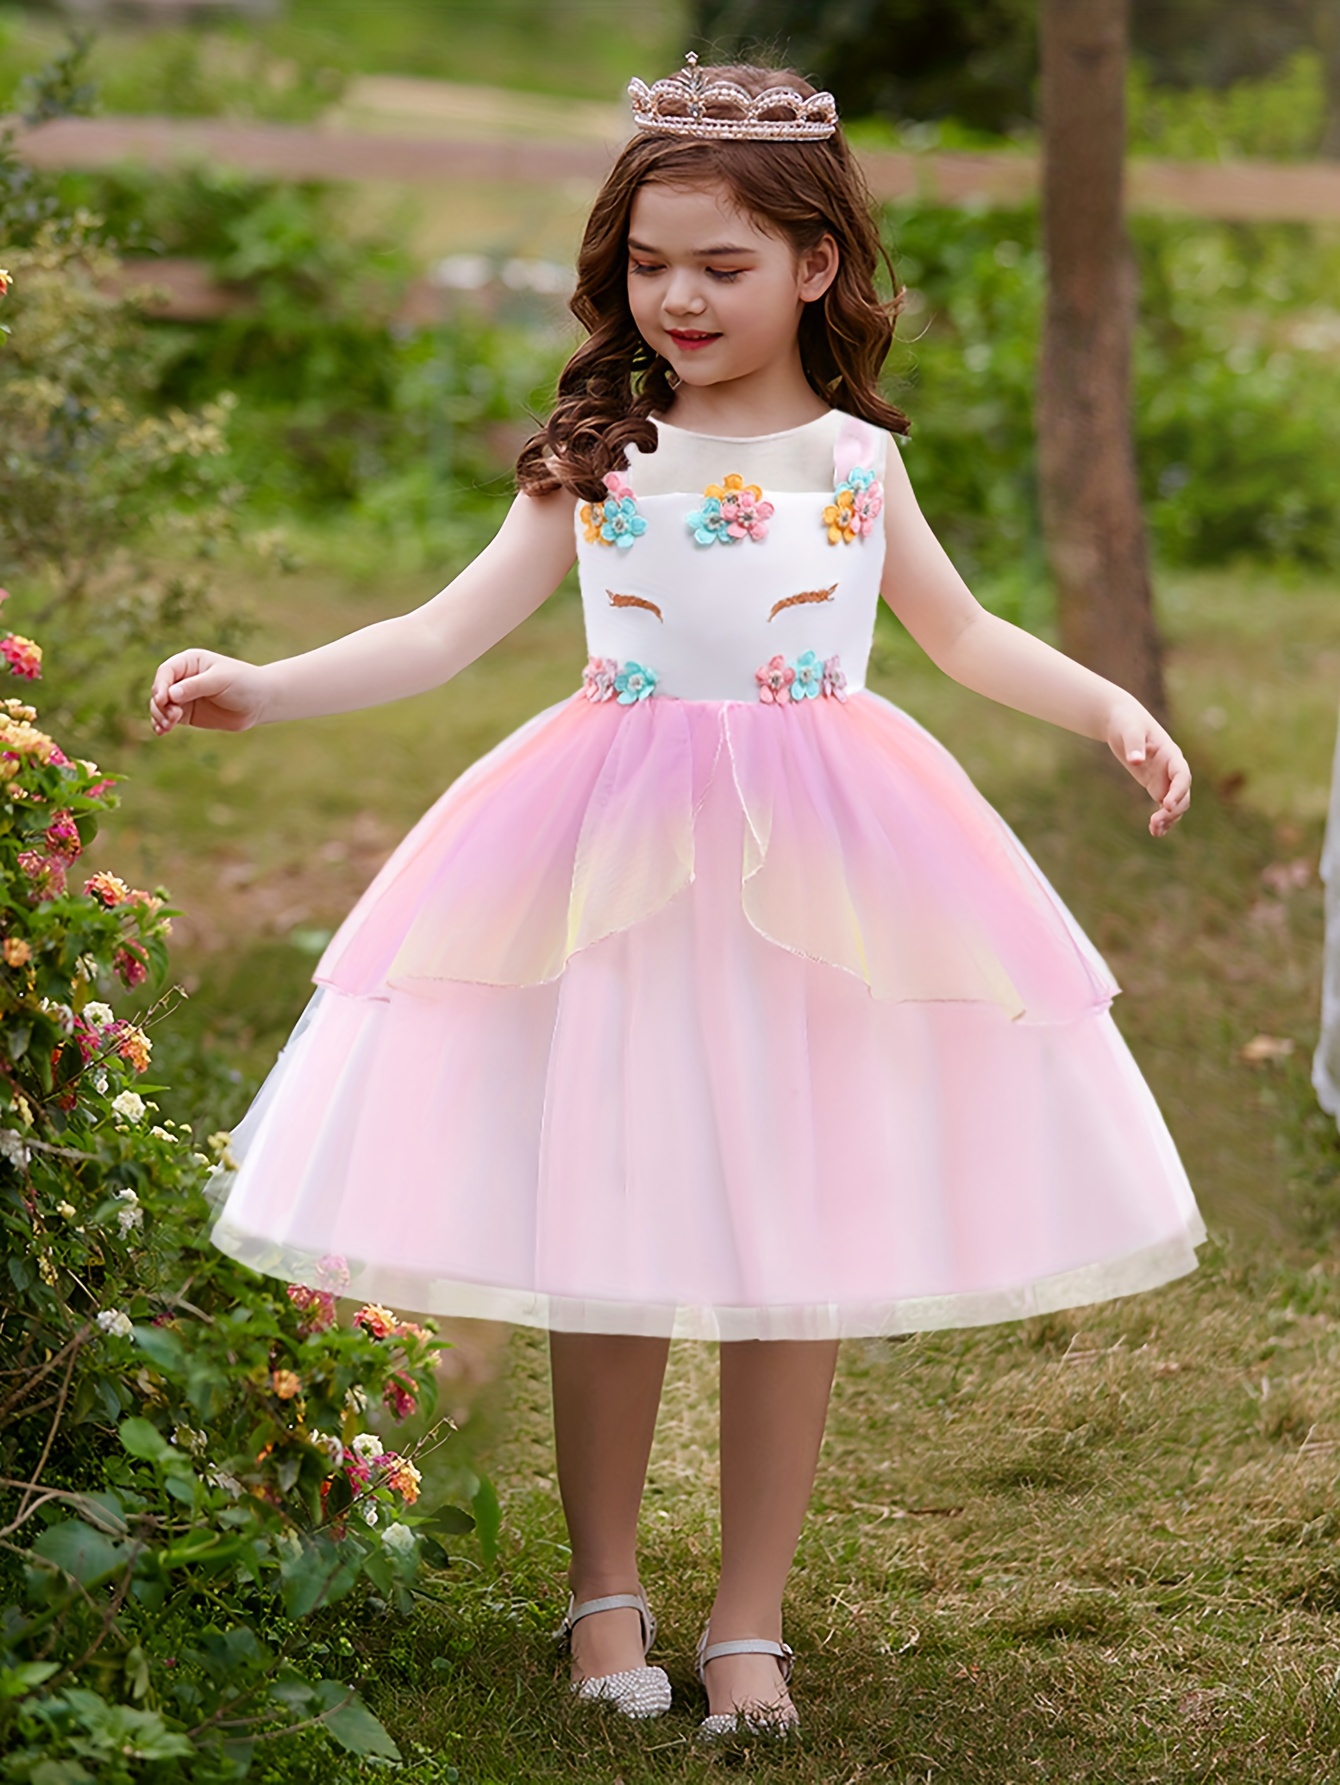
(774, 1402)
(607, 1389)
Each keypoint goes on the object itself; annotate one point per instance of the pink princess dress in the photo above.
(715, 1001)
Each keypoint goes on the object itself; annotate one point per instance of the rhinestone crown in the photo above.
(688, 104)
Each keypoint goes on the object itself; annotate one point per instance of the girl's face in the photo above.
(711, 291)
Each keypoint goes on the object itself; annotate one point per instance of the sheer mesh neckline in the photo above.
(744, 439)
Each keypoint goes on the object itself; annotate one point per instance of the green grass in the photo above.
(1100, 1546)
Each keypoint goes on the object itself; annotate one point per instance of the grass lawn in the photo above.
(1101, 1546)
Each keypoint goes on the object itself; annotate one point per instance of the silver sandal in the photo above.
(637, 1691)
(760, 1719)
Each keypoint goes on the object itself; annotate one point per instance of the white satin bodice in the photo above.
(707, 615)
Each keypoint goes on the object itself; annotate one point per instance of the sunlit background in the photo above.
(356, 221)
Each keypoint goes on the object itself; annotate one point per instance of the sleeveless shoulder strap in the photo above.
(858, 443)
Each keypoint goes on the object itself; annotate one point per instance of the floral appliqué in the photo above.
(634, 682)
(857, 504)
(604, 678)
(598, 678)
(732, 510)
(805, 678)
(615, 521)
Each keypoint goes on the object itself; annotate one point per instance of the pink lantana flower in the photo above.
(318, 1306)
(376, 1321)
(22, 655)
(62, 838)
(110, 888)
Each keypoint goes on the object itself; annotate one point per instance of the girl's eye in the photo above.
(643, 266)
(725, 275)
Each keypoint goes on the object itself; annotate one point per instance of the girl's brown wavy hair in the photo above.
(801, 191)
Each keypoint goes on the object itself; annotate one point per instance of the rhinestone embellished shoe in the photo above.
(777, 1720)
(637, 1691)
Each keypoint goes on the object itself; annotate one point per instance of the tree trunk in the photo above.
(1326, 1060)
(1092, 525)
(1326, 32)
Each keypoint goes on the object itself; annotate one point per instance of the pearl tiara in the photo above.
(688, 104)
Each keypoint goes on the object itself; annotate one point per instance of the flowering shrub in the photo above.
(187, 1465)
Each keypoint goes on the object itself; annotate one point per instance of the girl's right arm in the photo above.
(522, 565)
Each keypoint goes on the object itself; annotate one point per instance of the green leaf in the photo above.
(452, 1521)
(349, 1722)
(104, 1510)
(161, 1347)
(319, 1574)
(80, 1551)
(15, 1681)
(144, 1440)
(59, 1772)
(488, 1518)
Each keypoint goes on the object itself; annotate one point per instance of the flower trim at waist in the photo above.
(781, 681)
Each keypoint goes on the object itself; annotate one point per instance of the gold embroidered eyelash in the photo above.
(805, 595)
(617, 600)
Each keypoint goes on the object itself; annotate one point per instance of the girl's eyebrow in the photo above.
(699, 253)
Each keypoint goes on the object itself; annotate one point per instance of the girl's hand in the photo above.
(1140, 744)
(203, 688)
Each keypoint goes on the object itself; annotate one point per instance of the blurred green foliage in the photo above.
(975, 61)
(1237, 377)
(291, 67)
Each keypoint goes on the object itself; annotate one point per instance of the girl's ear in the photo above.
(817, 269)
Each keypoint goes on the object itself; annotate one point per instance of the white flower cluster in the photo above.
(129, 1105)
(329, 1445)
(12, 1149)
(400, 1539)
(112, 1320)
(367, 1446)
(131, 1215)
(98, 1015)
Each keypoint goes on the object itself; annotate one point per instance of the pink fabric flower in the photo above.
(774, 679)
(835, 678)
(598, 678)
(617, 485)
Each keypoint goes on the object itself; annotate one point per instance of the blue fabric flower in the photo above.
(634, 682)
(621, 524)
(858, 479)
(709, 523)
(809, 676)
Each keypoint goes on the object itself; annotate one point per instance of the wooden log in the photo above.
(1236, 191)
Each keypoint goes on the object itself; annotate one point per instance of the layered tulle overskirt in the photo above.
(714, 1019)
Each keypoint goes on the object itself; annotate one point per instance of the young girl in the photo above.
(715, 1001)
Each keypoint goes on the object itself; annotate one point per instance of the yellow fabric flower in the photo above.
(839, 518)
(591, 521)
(733, 485)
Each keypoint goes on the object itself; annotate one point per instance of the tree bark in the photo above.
(1092, 525)
(1326, 32)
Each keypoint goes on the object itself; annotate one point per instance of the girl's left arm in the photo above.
(1005, 663)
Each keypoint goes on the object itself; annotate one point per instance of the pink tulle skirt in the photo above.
(719, 1020)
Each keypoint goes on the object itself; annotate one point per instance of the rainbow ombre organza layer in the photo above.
(861, 844)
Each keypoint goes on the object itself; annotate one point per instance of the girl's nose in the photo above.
(682, 297)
